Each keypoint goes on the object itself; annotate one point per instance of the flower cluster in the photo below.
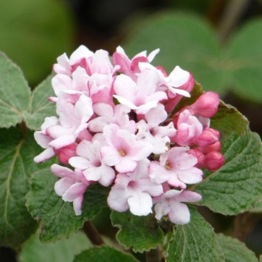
(116, 125)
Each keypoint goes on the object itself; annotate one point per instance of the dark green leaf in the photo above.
(234, 250)
(195, 241)
(14, 93)
(139, 233)
(229, 121)
(236, 186)
(57, 217)
(40, 107)
(104, 254)
(62, 250)
(16, 168)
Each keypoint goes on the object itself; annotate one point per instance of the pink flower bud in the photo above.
(206, 105)
(65, 153)
(214, 160)
(208, 137)
(199, 155)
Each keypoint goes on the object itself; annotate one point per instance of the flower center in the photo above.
(121, 152)
(167, 166)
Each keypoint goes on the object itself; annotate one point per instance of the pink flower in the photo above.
(72, 121)
(151, 131)
(131, 67)
(140, 96)
(188, 128)
(176, 167)
(89, 160)
(78, 58)
(69, 88)
(134, 191)
(107, 114)
(123, 150)
(170, 203)
(71, 186)
(43, 139)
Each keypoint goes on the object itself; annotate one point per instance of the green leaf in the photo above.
(184, 40)
(57, 218)
(63, 250)
(40, 107)
(236, 186)
(235, 250)
(16, 167)
(139, 233)
(195, 241)
(14, 93)
(229, 121)
(33, 36)
(104, 254)
(244, 59)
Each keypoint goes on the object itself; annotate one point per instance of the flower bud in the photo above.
(208, 137)
(206, 105)
(213, 160)
(65, 153)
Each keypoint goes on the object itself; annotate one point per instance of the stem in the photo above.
(92, 234)
(153, 255)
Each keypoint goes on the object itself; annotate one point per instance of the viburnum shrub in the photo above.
(125, 134)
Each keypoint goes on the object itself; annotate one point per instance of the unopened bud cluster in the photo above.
(117, 125)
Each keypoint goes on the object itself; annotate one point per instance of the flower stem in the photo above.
(153, 255)
(92, 234)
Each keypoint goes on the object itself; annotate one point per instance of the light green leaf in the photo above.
(16, 168)
(139, 233)
(236, 186)
(229, 121)
(244, 60)
(234, 250)
(57, 218)
(104, 254)
(33, 33)
(63, 250)
(40, 107)
(14, 93)
(195, 241)
(184, 40)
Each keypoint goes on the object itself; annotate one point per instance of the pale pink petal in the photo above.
(117, 200)
(140, 204)
(179, 213)
(76, 190)
(45, 155)
(62, 141)
(77, 204)
(192, 176)
(125, 165)
(79, 162)
(62, 185)
(110, 156)
(62, 171)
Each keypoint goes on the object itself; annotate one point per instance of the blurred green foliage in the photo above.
(33, 33)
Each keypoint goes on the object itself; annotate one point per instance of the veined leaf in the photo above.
(195, 241)
(14, 93)
(139, 233)
(236, 186)
(16, 168)
(234, 250)
(104, 254)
